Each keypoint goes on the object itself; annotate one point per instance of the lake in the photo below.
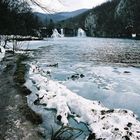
(111, 68)
(100, 69)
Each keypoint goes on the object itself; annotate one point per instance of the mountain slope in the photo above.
(58, 16)
(101, 21)
(115, 18)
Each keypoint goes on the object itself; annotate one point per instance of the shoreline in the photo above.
(18, 121)
(60, 87)
(101, 121)
(19, 78)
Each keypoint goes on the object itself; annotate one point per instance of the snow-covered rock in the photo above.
(105, 123)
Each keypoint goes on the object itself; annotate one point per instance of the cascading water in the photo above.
(81, 33)
(62, 33)
(56, 34)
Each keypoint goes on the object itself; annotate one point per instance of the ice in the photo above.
(105, 82)
(104, 122)
(113, 82)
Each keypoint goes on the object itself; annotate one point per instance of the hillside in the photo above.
(101, 22)
(45, 18)
(72, 24)
(115, 18)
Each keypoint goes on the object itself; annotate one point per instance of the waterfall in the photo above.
(62, 33)
(81, 33)
(56, 34)
(134, 35)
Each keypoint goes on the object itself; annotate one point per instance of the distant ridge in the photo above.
(56, 17)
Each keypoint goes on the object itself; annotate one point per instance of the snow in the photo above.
(29, 44)
(2, 53)
(109, 124)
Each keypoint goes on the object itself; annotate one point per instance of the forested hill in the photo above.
(115, 18)
(75, 22)
(16, 18)
(56, 17)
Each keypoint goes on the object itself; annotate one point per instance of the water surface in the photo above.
(110, 68)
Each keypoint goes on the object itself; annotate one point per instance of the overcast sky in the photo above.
(67, 5)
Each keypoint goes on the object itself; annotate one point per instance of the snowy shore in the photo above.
(110, 124)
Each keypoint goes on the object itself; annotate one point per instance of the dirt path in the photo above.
(13, 123)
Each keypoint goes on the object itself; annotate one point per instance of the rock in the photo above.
(126, 138)
(126, 128)
(25, 90)
(110, 111)
(37, 102)
(126, 72)
(129, 124)
(116, 129)
(52, 65)
(103, 112)
(92, 137)
(59, 117)
(82, 75)
(76, 76)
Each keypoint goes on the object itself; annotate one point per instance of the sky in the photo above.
(66, 5)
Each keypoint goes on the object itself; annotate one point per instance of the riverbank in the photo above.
(17, 120)
(74, 73)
